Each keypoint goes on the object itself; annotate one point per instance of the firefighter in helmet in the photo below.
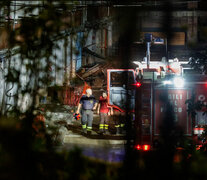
(88, 104)
(104, 111)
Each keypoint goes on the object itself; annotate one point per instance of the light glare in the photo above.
(178, 82)
(167, 82)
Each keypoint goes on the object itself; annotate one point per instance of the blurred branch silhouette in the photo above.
(27, 150)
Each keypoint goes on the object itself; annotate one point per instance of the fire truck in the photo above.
(140, 91)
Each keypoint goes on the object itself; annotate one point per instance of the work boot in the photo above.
(107, 132)
(89, 133)
(84, 131)
(101, 131)
(89, 130)
(106, 129)
(123, 131)
(118, 131)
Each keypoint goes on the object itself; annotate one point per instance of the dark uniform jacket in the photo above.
(87, 102)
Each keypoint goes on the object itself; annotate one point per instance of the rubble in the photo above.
(96, 75)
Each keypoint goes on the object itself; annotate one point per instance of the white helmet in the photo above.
(89, 91)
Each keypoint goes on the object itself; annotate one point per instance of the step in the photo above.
(88, 141)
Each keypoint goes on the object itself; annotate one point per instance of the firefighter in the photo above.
(104, 111)
(119, 118)
(88, 104)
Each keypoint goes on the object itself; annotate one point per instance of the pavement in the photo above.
(95, 140)
(75, 135)
(110, 148)
(70, 130)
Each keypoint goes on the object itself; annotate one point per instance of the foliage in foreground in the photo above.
(33, 156)
(26, 155)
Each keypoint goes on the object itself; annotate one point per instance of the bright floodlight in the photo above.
(178, 82)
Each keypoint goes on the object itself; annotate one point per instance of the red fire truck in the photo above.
(142, 94)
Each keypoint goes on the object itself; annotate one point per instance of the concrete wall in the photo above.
(182, 21)
(60, 70)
